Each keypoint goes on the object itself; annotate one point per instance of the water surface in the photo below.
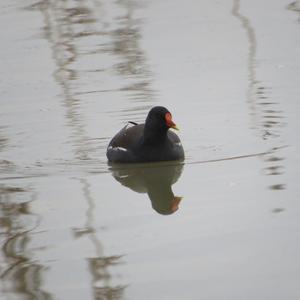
(223, 225)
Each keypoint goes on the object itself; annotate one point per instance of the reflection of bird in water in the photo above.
(156, 180)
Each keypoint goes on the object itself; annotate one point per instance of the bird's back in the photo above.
(121, 147)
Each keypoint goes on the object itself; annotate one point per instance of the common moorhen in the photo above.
(149, 142)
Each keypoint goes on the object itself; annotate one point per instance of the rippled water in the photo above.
(223, 225)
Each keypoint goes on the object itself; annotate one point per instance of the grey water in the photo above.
(222, 225)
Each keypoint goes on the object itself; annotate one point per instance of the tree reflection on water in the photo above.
(265, 116)
(20, 274)
(90, 41)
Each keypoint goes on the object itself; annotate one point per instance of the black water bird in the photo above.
(148, 142)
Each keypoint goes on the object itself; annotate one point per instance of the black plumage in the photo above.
(147, 142)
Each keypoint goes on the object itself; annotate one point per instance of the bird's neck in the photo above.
(154, 136)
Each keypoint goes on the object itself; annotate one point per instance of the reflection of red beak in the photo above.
(170, 122)
(175, 203)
